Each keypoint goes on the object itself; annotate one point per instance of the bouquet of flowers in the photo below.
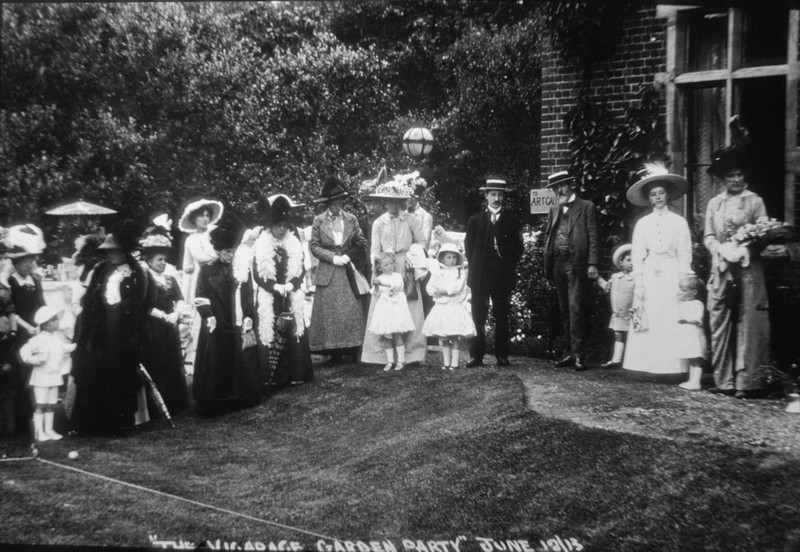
(757, 234)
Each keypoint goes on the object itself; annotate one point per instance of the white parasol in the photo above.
(79, 208)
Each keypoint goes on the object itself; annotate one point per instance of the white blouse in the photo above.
(658, 235)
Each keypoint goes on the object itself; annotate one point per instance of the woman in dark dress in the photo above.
(226, 375)
(278, 272)
(163, 359)
(111, 334)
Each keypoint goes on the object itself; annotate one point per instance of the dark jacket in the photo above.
(584, 248)
(478, 243)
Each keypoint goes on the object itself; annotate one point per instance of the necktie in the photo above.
(495, 216)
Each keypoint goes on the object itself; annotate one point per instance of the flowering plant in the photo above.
(757, 233)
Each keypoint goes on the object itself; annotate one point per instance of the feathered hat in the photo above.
(193, 208)
(156, 241)
(123, 236)
(24, 240)
(279, 211)
(734, 156)
(647, 177)
(225, 235)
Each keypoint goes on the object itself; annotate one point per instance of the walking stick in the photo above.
(155, 394)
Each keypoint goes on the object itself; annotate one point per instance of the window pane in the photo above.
(766, 32)
(705, 134)
(707, 41)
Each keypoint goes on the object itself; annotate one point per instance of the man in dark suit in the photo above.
(571, 254)
(493, 247)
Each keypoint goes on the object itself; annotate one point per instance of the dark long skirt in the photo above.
(225, 376)
(164, 363)
(337, 316)
(290, 360)
(106, 370)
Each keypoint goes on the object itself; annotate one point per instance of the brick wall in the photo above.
(639, 55)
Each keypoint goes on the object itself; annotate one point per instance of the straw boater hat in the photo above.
(495, 183)
(450, 248)
(24, 240)
(45, 314)
(728, 159)
(558, 178)
(619, 252)
(651, 174)
(186, 223)
(332, 188)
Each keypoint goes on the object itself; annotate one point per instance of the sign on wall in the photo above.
(541, 200)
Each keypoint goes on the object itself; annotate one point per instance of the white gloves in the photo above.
(340, 260)
(211, 323)
(284, 289)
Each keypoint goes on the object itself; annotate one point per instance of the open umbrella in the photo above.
(80, 207)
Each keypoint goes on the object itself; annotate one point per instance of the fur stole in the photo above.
(264, 256)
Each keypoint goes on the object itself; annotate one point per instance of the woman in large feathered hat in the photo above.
(109, 333)
(163, 358)
(278, 272)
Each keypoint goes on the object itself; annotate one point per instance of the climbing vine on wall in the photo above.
(605, 154)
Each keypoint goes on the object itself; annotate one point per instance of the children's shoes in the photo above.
(389, 366)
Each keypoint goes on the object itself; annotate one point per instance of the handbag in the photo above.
(362, 285)
(285, 323)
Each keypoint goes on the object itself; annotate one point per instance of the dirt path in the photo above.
(618, 400)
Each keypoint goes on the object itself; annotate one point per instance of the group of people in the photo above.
(658, 319)
(236, 313)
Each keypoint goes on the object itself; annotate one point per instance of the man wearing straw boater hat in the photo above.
(571, 253)
(493, 247)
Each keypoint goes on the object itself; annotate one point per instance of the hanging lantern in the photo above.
(418, 142)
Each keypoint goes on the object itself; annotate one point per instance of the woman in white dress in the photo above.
(661, 254)
(198, 219)
(399, 233)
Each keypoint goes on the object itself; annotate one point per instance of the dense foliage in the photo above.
(140, 106)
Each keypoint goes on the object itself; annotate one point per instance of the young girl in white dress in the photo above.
(450, 319)
(391, 317)
(49, 354)
(690, 338)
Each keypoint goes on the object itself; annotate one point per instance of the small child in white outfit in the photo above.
(391, 317)
(690, 337)
(49, 353)
(450, 319)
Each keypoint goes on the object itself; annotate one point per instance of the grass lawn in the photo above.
(403, 459)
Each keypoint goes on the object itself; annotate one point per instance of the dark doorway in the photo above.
(761, 106)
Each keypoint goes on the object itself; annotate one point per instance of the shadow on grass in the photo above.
(419, 454)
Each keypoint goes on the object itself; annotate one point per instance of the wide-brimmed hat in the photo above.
(620, 252)
(332, 188)
(651, 174)
(289, 200)
(450, 248)
(24, 240)
(280, 211)
(558, 178)
(157, 241)
(186, 222)
(225, 235)
(394, 189)
(495, 183)
(123, 236)
(728, 159)
(46, 313)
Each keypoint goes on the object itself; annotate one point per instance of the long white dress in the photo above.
(661, 254)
